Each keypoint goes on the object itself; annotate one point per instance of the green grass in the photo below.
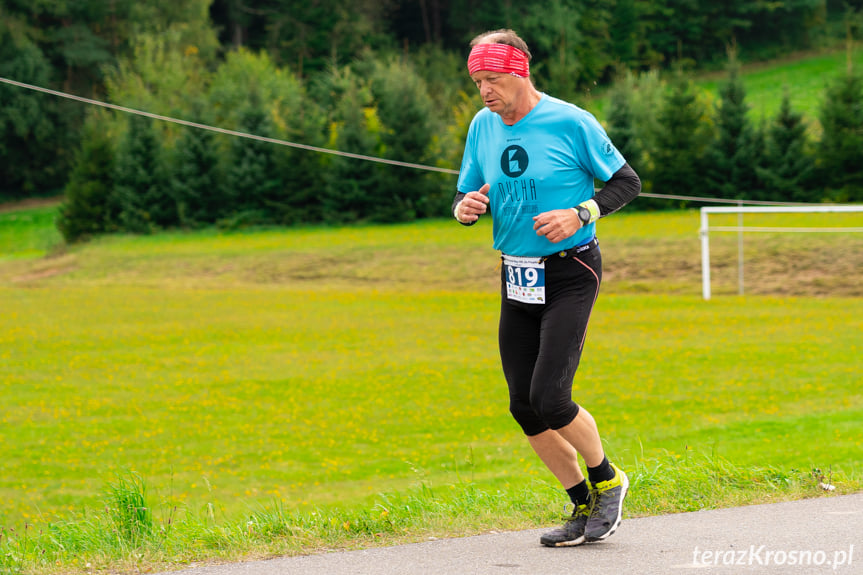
(281, 391)
(643, 253)
(112, 540)
(28, 233)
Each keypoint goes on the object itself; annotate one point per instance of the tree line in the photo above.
(387, 79)
(682, 144)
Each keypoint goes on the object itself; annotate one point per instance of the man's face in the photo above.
(499, 92)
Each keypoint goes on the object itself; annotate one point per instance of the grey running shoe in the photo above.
(607, 506)
(572, 532)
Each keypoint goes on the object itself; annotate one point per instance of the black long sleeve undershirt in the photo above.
(623, 187)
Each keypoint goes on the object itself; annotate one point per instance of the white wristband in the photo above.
(455, 212)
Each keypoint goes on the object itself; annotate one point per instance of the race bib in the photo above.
(525, 279)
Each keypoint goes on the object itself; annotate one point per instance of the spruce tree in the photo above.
(840, 151)
(33, 134)
(301, 170)
(625, 23)
(255, 188)
(85, 209)
(348, 194)
(678, 141)
(731, 161)
(197, 181)
(622, 123)
(788, 162)
(406, 116)
(141, 195)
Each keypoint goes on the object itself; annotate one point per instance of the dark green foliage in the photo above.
(84, 212)
(788, 164)
(52, 45)
(197, 179)
(33, 146)
(622, 126)
(555, 34)
(624, 41)
(301, 170)
(840, 153)
(699, 30)
(735, 153)
(349, 184)
(405, 111)
(304, 36)
(141, 199)
(398, 92)
(255, 193)
(679, 142)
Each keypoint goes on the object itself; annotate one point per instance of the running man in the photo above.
(530, 160)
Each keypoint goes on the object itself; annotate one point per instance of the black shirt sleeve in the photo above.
(623, 187)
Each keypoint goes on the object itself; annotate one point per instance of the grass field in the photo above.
(281, 391)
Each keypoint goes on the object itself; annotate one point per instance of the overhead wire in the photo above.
(226, 131)
(320, 150)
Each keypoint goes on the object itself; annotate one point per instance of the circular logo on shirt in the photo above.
(514, 161)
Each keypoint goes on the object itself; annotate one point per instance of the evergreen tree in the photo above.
(84, 212)
(840, 151)
(730, 171)
(290, 115)
(647, 92)
(406, 115)
(141, 195)
(355, 128)
(557, 41)
(255, 189)
(788, 162)
(32, 142)
(679, 141)
(302, 120)
(197, 182)
(622, 123)
(624, 41)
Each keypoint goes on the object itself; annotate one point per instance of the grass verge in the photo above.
(129, 535)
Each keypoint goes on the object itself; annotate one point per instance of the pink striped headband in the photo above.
(500, 58)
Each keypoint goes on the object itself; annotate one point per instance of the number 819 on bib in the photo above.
(525, 279)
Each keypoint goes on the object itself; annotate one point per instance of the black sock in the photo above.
(602, 472)
(579, 494)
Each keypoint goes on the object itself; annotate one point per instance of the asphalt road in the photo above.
(821, 535)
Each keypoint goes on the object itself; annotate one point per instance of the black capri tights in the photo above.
(540, 344)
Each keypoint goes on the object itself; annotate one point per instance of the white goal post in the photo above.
(740, 210)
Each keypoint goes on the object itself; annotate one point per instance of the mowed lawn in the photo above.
(326, 366)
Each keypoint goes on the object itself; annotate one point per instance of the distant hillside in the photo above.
(805, 74)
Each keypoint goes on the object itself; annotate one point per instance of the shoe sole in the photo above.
(625, 484)
(578, 541)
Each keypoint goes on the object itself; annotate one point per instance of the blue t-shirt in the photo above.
(547, 161)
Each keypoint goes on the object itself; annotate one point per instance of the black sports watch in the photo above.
(583, 214)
